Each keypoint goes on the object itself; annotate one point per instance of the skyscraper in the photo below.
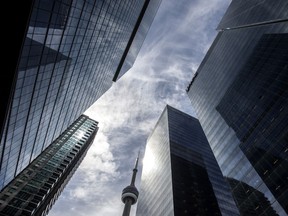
(70, 53)
(240, 94)
(180, 174)
(35, 189)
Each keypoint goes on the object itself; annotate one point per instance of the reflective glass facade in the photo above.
(249, 200)
(246, 13)
(156, 192)
(149, 12)
(70, 53)
(240, 96)
(180, 174)
(36, 188)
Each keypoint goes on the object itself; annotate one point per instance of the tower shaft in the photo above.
(127, 207)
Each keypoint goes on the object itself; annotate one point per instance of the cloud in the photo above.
(79, 193)
(177, 41)
(97, 174)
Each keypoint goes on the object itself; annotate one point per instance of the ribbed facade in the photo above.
(36, 188)
(180, 174)
(70, 54)
(240, 95)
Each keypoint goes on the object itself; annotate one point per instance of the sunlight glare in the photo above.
(80, 134)
(149, 161)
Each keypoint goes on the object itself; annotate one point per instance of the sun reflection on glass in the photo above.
(80, 134)
(149, 161)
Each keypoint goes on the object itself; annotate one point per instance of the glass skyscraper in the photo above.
(36, 188)
(180, 174)
(70, 53)
(240, 94)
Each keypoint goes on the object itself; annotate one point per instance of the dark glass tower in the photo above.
(180, 174)
(70, 51)
(36, 188)
(240, 94)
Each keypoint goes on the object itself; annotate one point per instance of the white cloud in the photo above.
(79, 193)
(97, 175)
(177, 42)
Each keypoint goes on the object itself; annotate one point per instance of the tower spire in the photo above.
(130, 193)
(135, 170)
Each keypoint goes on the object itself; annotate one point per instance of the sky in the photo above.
(178, 39)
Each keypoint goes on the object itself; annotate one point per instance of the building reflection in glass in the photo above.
(249, 200)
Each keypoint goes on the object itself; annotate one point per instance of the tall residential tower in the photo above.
(36, 188)
(240, 94)
(180, 174)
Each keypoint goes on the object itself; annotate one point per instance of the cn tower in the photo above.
(130, 193)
